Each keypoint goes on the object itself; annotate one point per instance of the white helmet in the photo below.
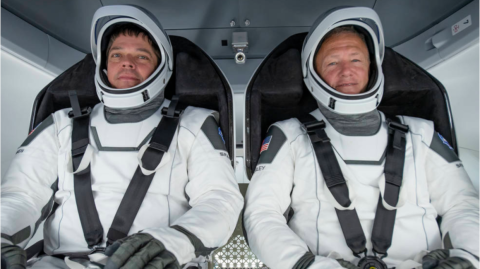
(366, 21)
(103, 20)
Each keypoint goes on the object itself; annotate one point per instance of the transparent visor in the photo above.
(103, 30)
(369, 29)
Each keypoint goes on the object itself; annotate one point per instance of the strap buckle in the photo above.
(395, 126)
(314, 125)
(172, 111)
(158, 146)
(399, 132)
(358, 254)
(379, 255)
(315, 131)
(85, 112)
(79, 147)
(176, 113)
(96, 249)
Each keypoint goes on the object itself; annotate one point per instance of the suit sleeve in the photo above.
(455, 199)
(267, 204)
(29, 184)
(214, 198)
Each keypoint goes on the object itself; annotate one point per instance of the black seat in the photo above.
(196, 79)
(276, 92)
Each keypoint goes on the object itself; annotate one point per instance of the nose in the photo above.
(128, 62)
(346, 69)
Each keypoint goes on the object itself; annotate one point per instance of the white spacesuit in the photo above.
(193, 202)
(293, 211)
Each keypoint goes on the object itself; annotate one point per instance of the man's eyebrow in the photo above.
(145, 50)
(115, 48)
(139, 49)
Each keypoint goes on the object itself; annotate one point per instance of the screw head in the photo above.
(247, 22)
(232, 23)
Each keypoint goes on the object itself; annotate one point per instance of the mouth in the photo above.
(346, 85)
(127, 78)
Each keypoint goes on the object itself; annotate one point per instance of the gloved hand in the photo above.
(13, 257)
(440, 259)
(139, 251)
(347, 264)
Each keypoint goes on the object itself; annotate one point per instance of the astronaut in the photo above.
(347, 187)
(190, 202)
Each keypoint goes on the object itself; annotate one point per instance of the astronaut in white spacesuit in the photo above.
(347, 187)
(165, 191)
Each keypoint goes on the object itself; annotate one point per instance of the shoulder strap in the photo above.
(395, 160)
(91, 225)
(349, 221)
(138, 187)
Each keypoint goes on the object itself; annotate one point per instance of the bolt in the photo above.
(247, 23)
(232, 23)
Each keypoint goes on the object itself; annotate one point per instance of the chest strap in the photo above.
(82, 181)
(138, 187)
(350, 223)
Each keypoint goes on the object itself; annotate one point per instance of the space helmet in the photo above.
(366, 21)
(105, 20)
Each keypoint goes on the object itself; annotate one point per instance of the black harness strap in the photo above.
(91, 225)
(395, 160)
(349, 221)
(138, 187)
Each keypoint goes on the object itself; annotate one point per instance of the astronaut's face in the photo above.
(131, 60)
(343, 63)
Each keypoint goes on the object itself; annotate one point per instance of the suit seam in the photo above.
(171, 172)
(181, 126)
(61, 219)
(316, 194)
(416, 183)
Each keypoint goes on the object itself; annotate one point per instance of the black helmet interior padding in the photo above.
(277, 92)
(196, 79)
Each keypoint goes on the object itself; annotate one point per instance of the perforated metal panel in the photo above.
(236, 254)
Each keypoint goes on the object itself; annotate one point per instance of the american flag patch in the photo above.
(265, 144)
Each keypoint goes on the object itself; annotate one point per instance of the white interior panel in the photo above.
(459, 75)
(21, 82)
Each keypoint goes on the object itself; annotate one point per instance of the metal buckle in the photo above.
(158, 147)
(313, 125)
(358, 254)
(377, 254)
(96, 249)
(85, 112)
(398, 126)
(176, 114)
(372, 262)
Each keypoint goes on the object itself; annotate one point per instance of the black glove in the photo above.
(440, 259)
(140, 251)
(347, 264)
(13, 257)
